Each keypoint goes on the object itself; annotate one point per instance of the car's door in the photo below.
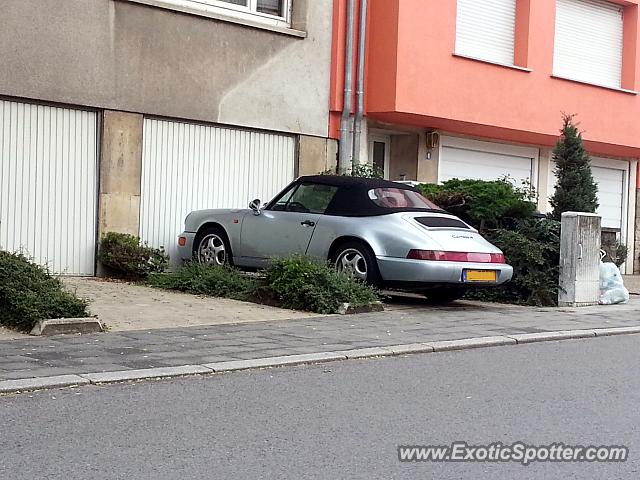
(286, 226)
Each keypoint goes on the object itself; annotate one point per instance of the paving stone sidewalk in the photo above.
(406, 321)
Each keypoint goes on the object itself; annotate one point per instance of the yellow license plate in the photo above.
(479, 276)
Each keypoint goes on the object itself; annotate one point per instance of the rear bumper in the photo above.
(428, 272)
(185, 252)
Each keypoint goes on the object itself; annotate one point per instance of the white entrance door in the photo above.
(188, 167)
(470, 159)
(48, 185)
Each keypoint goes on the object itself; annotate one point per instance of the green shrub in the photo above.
(576, 191)
(363, 170)
(198, 279)
(532, 248)
(295, 282)
(124, 255)
(483, 204)
(301, 283)
(28, 294)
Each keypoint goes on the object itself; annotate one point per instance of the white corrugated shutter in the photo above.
(588, 42)
(463, 163)
(188, 167)
(486, 30)
(612, 185)
(48, 185)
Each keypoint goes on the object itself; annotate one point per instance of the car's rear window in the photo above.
(399, 198)
(441, 222)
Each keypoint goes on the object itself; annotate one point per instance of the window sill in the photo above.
(615, 89)
(224, 17)
(498, 64)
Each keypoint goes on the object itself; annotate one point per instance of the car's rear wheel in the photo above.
(441, 296)
(357, 260)
(212, 247)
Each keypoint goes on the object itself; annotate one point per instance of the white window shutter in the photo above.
(486, 30)
(588, 42)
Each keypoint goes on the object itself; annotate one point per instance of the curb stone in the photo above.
(275, 361)
(348, 309)
(604, 332)
(29, 384)
(60, 326)
(127, 375)
(547, 336)
(466, 343)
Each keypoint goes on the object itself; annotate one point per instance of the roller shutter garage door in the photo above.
(188, 167)
(612, 187)
(48, 185)
(468, 159)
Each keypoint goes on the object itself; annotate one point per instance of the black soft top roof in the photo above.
(352, 199)
(356, 182)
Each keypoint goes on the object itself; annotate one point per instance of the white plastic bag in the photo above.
(612, 288)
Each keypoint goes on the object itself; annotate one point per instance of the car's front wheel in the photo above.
(357, 260)
(212, 247)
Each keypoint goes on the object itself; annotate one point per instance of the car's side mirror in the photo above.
(256, 206)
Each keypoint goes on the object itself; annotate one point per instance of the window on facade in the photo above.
(485, 30)
(588, 42)
(270, 11)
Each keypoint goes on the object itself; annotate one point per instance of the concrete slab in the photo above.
(124, 306)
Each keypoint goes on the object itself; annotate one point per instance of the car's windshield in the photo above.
(400, 198)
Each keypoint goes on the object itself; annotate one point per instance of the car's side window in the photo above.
(311, 198)
(281, 203)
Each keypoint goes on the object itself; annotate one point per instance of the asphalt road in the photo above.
(337, 421)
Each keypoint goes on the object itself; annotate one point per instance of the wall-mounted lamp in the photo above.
(433, 138)
(432, 141)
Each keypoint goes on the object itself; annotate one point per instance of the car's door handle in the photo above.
(308, 223)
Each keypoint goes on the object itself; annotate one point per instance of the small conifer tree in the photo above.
(575, 189)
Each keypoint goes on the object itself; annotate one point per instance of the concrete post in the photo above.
(120, 172)
(579, 259)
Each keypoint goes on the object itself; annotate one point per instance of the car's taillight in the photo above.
(182, 241)
(436, 255)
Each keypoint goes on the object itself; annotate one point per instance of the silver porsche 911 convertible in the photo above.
(382, 232)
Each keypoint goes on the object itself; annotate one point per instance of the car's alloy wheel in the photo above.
(212, 250)
(352, 262)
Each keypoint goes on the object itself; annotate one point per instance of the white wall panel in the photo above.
(188, 167)
(486, 30)
(588, 41)
(48, 185)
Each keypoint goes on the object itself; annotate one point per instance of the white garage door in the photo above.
(610, 196)
(48, 185)
(611, 177)
(189, 167)
(468, 159)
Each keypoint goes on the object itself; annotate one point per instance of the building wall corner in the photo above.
(316, 155)
(120, 173)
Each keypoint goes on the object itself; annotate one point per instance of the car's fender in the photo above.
(229, 220)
